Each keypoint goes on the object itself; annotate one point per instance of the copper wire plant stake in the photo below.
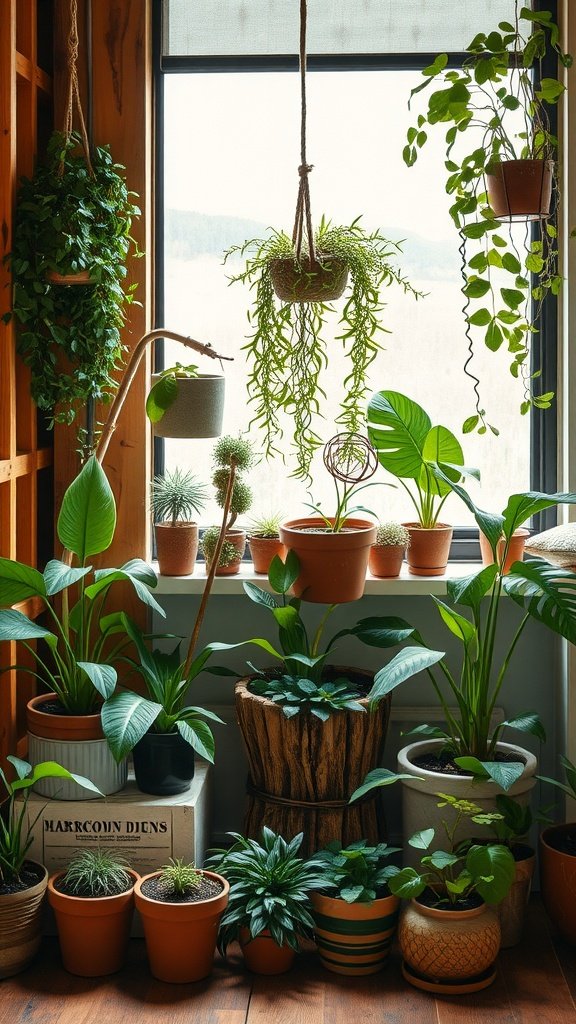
(350, 459)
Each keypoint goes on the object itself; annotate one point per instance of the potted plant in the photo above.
(185, 403)
(175, 497)
(388, 551)
(333, 551)
(71, 219)
(469, 744)
(558, 862)
(288, 351)
(449, 935)
(23, 882)
(93, 901)
(232, 552)
(409, 448)
(510, 826)
(501, 154)
(355, 925)
(74, 661)
(181, 910)
(515, 549)
(264, 541)
(269, 901)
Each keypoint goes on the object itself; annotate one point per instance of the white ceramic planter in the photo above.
(197, 410)
(420, 803)
(91, 758)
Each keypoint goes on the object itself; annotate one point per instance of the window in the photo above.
(230, 145)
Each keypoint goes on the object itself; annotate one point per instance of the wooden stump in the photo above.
(303, 771)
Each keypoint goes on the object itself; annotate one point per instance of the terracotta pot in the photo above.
(197, 410)
(21, 926)
(238, 539)
(354, 938)
(263, 955)
(176, 548)
(181, 937)
(309, 281)
(81, 278)
(558, 878)
(515, 548)
(61, 727)
(449, 950)
(332, 565)
(429, 550)
(385, 560)
(520, 189)
(512, 909)
(263, 550)
(93, 933)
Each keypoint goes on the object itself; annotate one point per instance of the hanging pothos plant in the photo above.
(71, 216)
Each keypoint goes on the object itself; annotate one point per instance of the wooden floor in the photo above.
(536, 984)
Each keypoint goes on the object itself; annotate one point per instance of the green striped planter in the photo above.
(354, 938)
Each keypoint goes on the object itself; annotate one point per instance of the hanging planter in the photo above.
(308, 280)
(520, 189)
(186, 406)
(81, 278)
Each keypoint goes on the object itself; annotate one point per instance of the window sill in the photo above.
(398, 585)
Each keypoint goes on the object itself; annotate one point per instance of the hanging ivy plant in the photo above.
(69, 219)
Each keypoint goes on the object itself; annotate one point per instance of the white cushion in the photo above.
(557, 546)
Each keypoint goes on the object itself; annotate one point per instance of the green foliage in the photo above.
(69, 221)
(241, 493)
(266, 526)
(176, 496)
(568, 787)
(15, 833)
(497, 108)
(78, 665)
(320, 699)
(392, 534)
(94, 873)
(178, 878)
(358, 872)
(287, 351)
(164, 392)
(269, 889)
(228, 554)
(228, 449)
(238, 452)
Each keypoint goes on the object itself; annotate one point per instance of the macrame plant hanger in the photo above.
(303, 217)
(73, 95)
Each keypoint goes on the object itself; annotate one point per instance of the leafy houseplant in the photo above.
(558, 861)
(185, 403)
(175, 497)
(510, 826)
(496, 114)
(227, 449)
(269, 903)
(288, 350)
(387, 552)
(362, 907)
(71, 218)
(93, 901)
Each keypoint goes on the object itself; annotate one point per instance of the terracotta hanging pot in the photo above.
(309, 281)
(197, 410)
(176, 548)
(512, 909)
(21, 924)
(429, 549)
(263, 955)
(449, 951)
(385, 560)
(558, 877)
(263, 550)
(181, 937)
(520, 189)
(332, 565)
(83, 277)
(354, 938)
(93, 932)
(515, 548)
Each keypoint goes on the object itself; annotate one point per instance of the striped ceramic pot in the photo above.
(354, 938)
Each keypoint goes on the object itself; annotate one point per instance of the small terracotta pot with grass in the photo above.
(264, 541)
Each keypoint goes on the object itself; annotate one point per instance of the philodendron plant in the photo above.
(77, 661)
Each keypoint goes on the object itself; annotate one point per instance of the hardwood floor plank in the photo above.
(300, 1001)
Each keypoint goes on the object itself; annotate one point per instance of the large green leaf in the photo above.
(58, 576)
(199, 735)
(398, 428)
(470, 590)
(380, 631)
(547, 593)
(457, 624)
(521, 507)
(102, 677)
(87, 518)
(377, 778)
(490, 523)
(259, 596)
(282, 574)
(494, 865)
(18, 582)
(126, 717)
(503, 773)
(407, 663)
(104, 578)
(16, 626)
(52, 770)
(440, 447)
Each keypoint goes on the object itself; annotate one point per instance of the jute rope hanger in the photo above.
(303, 218)
(73, 98)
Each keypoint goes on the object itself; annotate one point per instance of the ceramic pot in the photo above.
(176, 548)
(263, 955)
(263, 550)
(21, 925)
(181, 937)
(520, 189)
(197, 410)
(558, 878)
(163, 763)
(449, 950)
(93, 933)
(429, 550)
(385, 560)
(419, 800)
(309, 281)
(354, 938)
(515, 548)
(332, 565)
(512, 909)
(238, 539)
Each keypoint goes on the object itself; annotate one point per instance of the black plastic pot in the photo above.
(163, 763)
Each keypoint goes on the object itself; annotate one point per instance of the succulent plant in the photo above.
(392, 533)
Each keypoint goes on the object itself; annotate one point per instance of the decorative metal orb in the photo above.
(350, 458)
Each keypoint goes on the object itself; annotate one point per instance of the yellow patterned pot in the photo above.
(449, 950)
(354, 938)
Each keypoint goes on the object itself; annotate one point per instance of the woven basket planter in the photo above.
(309, 281)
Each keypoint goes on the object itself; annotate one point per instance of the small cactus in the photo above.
(392, 533)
